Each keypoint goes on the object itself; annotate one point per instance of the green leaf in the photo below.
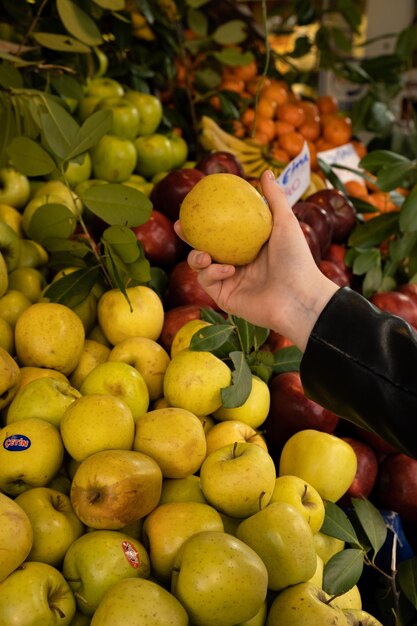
(123, 243)
(374, 231)
(207, 78)
(198, 22)
(365, 260)
(10, 77)
(371, 521)
(408, 213)
(118, 204)
(211, 338)
(376, 159)
(61, 43)
(78, 23)
(52, 220)
(67, 87)
(337, 524)
(331, 176)
(231, 32)
(231, 56)
(342, 571)
(113, 5)
(59, 129)
(30, 158)
(260, 335)
(197, 3)
(394, 176)
(407, 579)
(94, 127)
(245, 331)
(212, 316)
(73, 288)
(76, 247)
(287, 360)
(115, 271)
(238, 392)
(139, 271)
(372, 281)
(406, 43)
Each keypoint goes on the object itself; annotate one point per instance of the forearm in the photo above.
(361, 363)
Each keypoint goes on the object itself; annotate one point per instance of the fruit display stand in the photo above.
(158, 457)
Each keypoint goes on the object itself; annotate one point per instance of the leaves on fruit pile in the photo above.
(73, 288)
(407, 579)
(118, 204)
(343, 571)
(371, 521)
(337, 524)
(51, 220)
(238, 392)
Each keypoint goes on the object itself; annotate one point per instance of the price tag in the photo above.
(295, 179)
(345, 155)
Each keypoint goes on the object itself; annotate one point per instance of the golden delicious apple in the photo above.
(135, 601)
(185, 489)
(49, 335)
(29, 281)
(174, 438)
(36, 593)
(227, 217)
(143, 317)
(148, 357)
(32, 254)
(12, 217)
(184, 334)
(193, 381)
(317, 577)
(16, 535)
(4, 276)
(9, 377)
(238, 479)
(357, 617)
(303, 496)
(282, 538)
(349, 600)
(327, 546)
(99, 559)
(92, 355)
(12, 304)
(113, 488)
(219, 579)
(324, 460)
(258, 619)
(54, 523)
(230, 431)
(31, 453)
(254, 410)
(6, 336)
(45, 398)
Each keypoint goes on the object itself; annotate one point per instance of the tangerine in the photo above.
(282, 127)
(292, 143)
(338, 130)
(327, 104)
(291, 113)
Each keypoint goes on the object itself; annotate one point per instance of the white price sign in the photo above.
(295, 179)
(345, 155)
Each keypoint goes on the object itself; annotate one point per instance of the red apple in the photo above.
(341, 211)
(174, 319)
(318, 219)
(160, 242)
(366, 473)
(334, 272)
(397, 485)
(396, 303)
(184, 288)
(312, 240)
(168, 193)
(220, 162)
(379, 445)
(410, 289)
(275, 342)
(291, 411)
(336, 253)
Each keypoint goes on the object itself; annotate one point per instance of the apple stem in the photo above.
(261, 497)
(58, 610)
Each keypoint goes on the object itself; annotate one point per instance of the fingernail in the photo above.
(270, 175)
(201, 257)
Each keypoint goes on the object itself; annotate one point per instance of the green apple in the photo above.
(94, 353)
(179, 150)
(254, 410)
(31, 453)
(218, 579)
(126, 117)
(148, 357)
(150, 110)
(29, 281)
(87, 311)
(45, 398)
(36, 593)
(14, 188)
(121, 380)
(104, 87)
(4, 276)
(77, 171)
(113, 158)
(9, 377)
(167, 527)
(118, 320)
(327, 546)
(174, 438)
(303, 496)
(6, 336)
(145, 187)
(304, 604)
(135, 601)
(154, 154)
(9, 246)
(350, 600)
(54, 523)
(113, 488)
(12, 217)
(325, 461)
(49, 334)
(99, 559)
(32, 254)
(282, 538)
(86, 107)
(96, 422)
(223, 433)
(185, 489)
(87, 184)
(238, 479)
(40, 200)
(16, 535)
(12, 304)
(357, 617)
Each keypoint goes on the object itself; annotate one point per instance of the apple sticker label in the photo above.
(295, 178)
(16, 443)
(131, 554)
(343, 156)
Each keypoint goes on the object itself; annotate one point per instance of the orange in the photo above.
(291, 113)
(338, 130)
(292, 143)
(310, 130)
(277, 91)
(247, 117)
(282, 127)
(310, 109)
(279, 154)
(215, 103)
(356, 189)
(360, 147)
(233, 84)
(260, 137)
(265, 126)
(327, 104)
(246, 72)
(322, 145)
(313, 155)
(257, 83)
(238, 129)
(266, 107)
(382, 201)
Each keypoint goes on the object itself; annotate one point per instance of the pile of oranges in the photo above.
(370, 193)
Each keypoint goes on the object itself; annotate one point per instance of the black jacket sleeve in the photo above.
(361, 363)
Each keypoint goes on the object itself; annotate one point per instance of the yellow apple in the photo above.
(185, 333)
(254, 410)
(16, 535)
(12, 304)
(303, 496)
(92, 355)
(327, 546)
(6, 336)
(230, 431)
(185, 489)
(9, 377)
